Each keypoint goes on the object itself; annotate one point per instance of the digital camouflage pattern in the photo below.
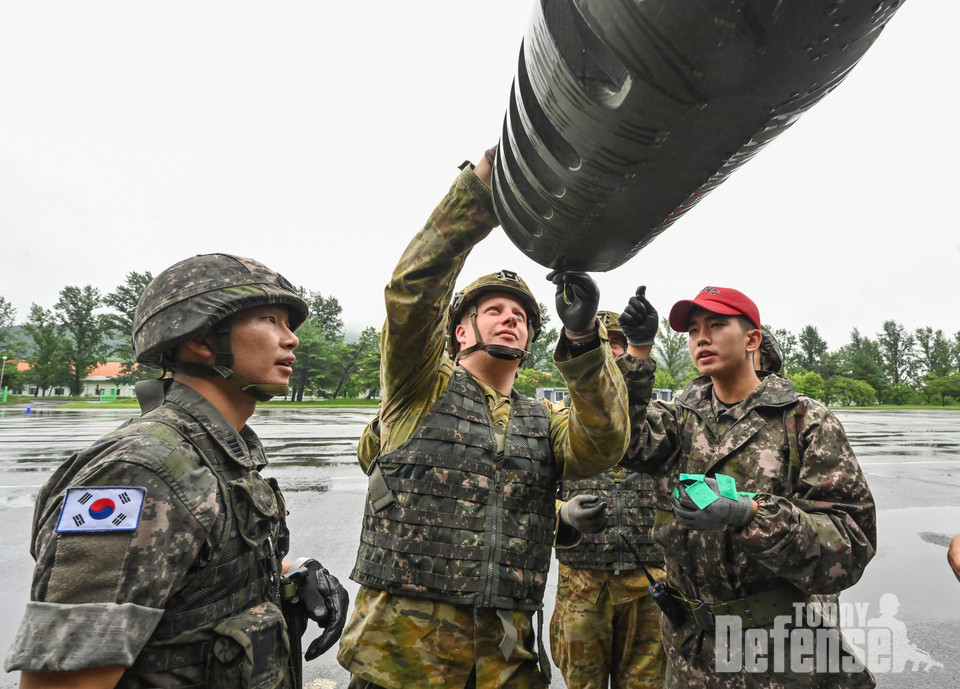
(605, 629)
(771, 358)
(400, 641)
(485, 539)
(199, 292)
(605, 626)
(816, 525)
(102, 598)
(630, 514)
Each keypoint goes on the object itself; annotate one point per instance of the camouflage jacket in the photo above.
(815, 529)
(415, 372)
(128, 597)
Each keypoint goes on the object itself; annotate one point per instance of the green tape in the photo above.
(699, 492)
(702, 495)
(727, 486)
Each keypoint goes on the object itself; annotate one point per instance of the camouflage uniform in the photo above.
(201, 566)
(814, 532)
(605, 626)
(402, 640)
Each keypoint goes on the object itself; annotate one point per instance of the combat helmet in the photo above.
(203, 292)
(771, 358)
(611, 321)
(466, 300)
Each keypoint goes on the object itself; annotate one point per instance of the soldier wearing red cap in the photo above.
(761, 504)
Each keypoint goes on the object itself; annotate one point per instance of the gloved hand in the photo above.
(577, 299)
(639, 321)
(585, 513)
(719, 514)
(324, 601)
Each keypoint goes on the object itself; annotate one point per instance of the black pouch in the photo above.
(250, 650)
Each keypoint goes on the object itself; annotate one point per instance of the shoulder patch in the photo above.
(101, 508)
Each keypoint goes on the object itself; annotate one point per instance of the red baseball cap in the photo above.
(722, 300)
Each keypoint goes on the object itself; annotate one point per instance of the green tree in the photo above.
(674, 365)
(310, 358)
(861, 360)
(847, 391)
(808, 383)
(321, 340)
(48, 358)
(123, 300)
(366, 380)
(813, 350)
(85, 331)
(529, 379)
(944, 389)
(354, 362)
(897, 352)
(900, 393)
(7, 314)
(936, 351)
(541, 350)
(789, 348)
(326, 312)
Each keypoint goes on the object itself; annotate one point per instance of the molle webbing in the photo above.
(451, 520)
(235, 577)
(630, 510)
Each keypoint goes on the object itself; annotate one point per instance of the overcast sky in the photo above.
(318, 136)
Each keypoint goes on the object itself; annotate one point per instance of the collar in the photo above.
(773, 391)
(244, 447)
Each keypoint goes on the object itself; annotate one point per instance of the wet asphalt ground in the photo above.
(911, 459)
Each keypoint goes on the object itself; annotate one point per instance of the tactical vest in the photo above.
(448, 519)
(229, 609)
(630, 511)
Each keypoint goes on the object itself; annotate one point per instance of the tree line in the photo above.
(86, 328)
(894, 366)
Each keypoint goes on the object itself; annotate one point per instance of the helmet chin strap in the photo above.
(494, 350)
(223, 367)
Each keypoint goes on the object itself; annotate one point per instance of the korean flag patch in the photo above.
(100, 508)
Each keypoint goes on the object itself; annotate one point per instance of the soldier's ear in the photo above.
(200, 349)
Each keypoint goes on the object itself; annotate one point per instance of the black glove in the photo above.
(577, 299)
(323, 600)
(719, 514)
(639, 321)
(585, 513)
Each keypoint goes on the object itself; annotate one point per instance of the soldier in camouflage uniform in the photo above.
(459, 519)
(768, 355)
(803, 522)
(605, 629)
(159, 547)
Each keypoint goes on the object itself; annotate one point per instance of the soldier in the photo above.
(605, 629)
(158, 548)
(768, 355)
(459, 520)
(797, 521)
